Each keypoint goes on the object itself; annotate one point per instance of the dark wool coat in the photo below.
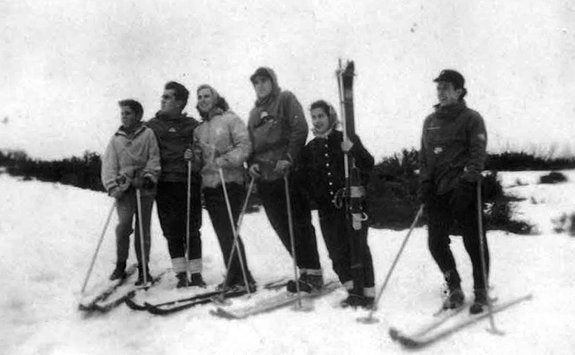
(322, 170)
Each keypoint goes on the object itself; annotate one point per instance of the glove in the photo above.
(254, 171)
(123, 182)
(346, 146)
(219, 162)
(425, 192)
(282, 167)
(115, 192)
(148, 183)
(188, 155)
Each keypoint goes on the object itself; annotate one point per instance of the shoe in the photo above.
(182, 280)
(354, 301)
(307, 283)
(197, 280)
(119, 272)
(479, 303)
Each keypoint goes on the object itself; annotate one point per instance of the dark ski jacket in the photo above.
(277, 128)
(174, 136)
(453, 147)
(322, 170)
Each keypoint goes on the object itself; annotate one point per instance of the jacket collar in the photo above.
(451, 111)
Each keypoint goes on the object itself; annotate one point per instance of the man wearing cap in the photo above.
(452, 156)
(278, 132)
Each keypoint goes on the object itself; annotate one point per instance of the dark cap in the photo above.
(260, 72)
(451, 76)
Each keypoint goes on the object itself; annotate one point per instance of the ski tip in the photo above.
(221, 313)
(408, 342)
(394, 333)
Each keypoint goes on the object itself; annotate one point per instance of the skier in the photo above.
(322, 172)
(452, 157)
(174, 131)
(278, 131)
(221, 141)
(131, 161)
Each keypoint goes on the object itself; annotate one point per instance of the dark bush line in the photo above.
(521, 161)
(392, 193)
(82, 172)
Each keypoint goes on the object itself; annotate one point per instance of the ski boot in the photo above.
(479, 303)
(238, 285)
(182, 280)
(119, 272)
(197, 280)
(455, 296)
(307, 283)
(354, 301)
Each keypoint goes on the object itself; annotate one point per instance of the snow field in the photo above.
(48, 233)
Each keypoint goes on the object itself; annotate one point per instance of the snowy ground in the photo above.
(48, 233)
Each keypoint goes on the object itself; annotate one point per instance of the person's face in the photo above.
(129, 117)
(263, 86)
(320, 120)
(446, 94)
(169, 103)
(205, 100)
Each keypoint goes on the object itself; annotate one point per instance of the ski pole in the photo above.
(493, 329)
(292, 240)
(235, 234)
(141, 229)
(98, 246)
(188, 211)
(369, 318)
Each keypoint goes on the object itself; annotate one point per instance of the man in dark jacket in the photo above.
(278, 132)
(452, 157)
(174, 132)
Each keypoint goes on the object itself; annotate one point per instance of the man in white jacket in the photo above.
(131, 161)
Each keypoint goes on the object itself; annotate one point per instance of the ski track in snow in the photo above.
(48, 233)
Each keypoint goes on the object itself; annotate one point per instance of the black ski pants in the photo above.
(272, 194)
(172, 206)
(443, 211)
(217, 209)
(348, 249)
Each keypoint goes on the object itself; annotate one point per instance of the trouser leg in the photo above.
(274, 201)
(126, 209)
(146, 202)
(172, 209)
(217, 209)
(439, 222)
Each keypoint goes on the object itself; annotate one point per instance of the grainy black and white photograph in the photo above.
(287, 177)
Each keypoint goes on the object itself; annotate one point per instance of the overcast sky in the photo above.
(65, 64)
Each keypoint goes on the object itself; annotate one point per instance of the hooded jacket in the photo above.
(277, 129)
(453, 147)
(174, 136)
(221, 140)
(131, 155)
